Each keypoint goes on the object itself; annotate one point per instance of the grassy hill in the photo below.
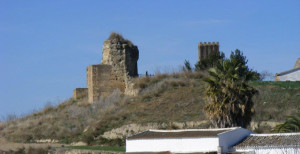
(164, 99)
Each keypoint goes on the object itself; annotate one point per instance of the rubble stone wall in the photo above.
(116, 70)
(101, 81)
(122, 57)
(80, 93)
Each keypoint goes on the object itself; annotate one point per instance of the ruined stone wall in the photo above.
(122, 56)
(80, 93)
(204, 49)
(101, 81)
(118, 67)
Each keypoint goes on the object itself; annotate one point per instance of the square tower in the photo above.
(204, 49)
(117, 68)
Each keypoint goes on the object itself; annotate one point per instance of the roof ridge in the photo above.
(288, 71)
(184, 130)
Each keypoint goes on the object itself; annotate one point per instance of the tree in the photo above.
(229, 95)
(211, 61)
(238, 58)
(187, 66)
(292, 124)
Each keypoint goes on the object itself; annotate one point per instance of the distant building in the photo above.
(186, 141)
(205, 49)
(270, 143)
(290, 75)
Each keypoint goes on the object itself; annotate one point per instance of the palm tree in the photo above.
(292, 124)
(229, 96)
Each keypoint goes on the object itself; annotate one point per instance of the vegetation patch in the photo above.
(164, 98)
(103, 148)
(282, 84)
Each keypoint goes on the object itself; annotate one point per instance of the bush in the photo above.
(111, 142)
(118, 37)
(32, 150)
(88, 138)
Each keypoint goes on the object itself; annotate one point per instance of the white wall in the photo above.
(173, 145)
(232, 137)
(294, 76)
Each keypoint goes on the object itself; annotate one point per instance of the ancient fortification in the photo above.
(117, 68)
(204, 49)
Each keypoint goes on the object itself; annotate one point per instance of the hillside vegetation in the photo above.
(164, 98)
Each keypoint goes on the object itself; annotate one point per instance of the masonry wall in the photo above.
(122, 57)
(204, 49)
(117, 68)
(80, 93)
(101, 81)
(131, 58)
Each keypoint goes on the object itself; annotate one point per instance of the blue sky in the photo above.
(45, 46)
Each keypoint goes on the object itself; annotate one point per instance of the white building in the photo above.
(186, 141)
(290, 75)
(282, 143)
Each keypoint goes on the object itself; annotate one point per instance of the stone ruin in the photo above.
(204, 49)
(117, 68)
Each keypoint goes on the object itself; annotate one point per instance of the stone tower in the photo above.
(204, 49)
(118, 66)
(122, 55)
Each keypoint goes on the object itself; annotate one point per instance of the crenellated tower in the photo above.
(204, 49)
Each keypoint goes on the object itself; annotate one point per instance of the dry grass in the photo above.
(33, 148)
(175, 97)
(275, 103)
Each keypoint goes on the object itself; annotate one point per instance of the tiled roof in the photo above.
(151, 134)
(270, 140)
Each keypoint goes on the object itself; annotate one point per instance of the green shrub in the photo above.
(32, 150)
(88, 138)
(111, 142)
